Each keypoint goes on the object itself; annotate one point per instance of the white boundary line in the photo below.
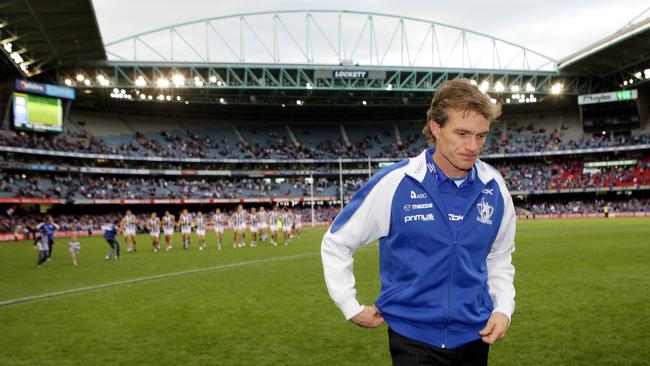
(153, 278)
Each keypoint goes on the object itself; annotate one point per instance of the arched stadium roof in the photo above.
(327, 37)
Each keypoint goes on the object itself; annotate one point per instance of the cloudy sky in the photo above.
(555, 28)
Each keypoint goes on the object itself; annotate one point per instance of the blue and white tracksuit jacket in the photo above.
(441, 279)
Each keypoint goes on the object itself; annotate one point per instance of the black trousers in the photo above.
(409, 352)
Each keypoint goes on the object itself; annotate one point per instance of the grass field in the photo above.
(583, 298)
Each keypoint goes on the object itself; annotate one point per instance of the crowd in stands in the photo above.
(69, 186)
(523, 143)
(571, 174)
(523, 176)
(189, 144)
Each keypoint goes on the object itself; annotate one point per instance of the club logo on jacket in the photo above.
(485, 212)
(418, 195)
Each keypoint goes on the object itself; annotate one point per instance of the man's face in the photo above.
(459, 141)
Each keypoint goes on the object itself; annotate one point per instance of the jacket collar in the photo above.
(417, 167)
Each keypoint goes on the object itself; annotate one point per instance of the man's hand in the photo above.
(369, 317)
(495, 329)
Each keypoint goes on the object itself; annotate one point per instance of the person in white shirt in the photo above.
(264, 224)
(185, 223)
(199, 223)
(128, 227)
(74, 247)
(239, 227)
(275, 224)
(218, 220)
(153, 225)
(254, 228)
(168, 224)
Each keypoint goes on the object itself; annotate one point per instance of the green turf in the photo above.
(583, 289)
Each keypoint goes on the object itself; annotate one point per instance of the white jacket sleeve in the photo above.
(363, 220)
(501, 272)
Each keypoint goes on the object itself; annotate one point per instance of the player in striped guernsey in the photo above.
(128, 227)
(74, 247)
(185, 222)
(168, 224)
(274, 224)
(239, 227)
(264, 224)
(218, 221)
(254, 220)
(41, 243)
(153, 225)
(199, 222)
(287, 225)
(297, 225)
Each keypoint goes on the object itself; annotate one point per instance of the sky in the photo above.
(555, 28)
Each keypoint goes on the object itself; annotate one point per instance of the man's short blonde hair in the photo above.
(458, 94)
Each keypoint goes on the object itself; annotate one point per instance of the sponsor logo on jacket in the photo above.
(419, 217)
(453, 217)
(417, 206)
(418, 195)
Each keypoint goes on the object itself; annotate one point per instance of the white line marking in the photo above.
(153, 278)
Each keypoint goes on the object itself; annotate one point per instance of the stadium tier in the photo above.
(282, 143)
(531, 177)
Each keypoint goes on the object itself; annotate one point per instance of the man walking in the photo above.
(446, 225)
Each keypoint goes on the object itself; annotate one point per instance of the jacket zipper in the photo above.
(451, 272)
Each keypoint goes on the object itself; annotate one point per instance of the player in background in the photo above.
(47, 228)
(218, 221)
(128, 228)
(74, 247)
(263, 224)
(110, 234)
(185, 222)
(254, 220)
(239, 226)
(199, 222)
(41, 244)
(168, 223)
(153, 225)
(287, 225)
(297, 224)
(274, 224)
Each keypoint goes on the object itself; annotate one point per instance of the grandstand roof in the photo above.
(626, 50)
(50, 33)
